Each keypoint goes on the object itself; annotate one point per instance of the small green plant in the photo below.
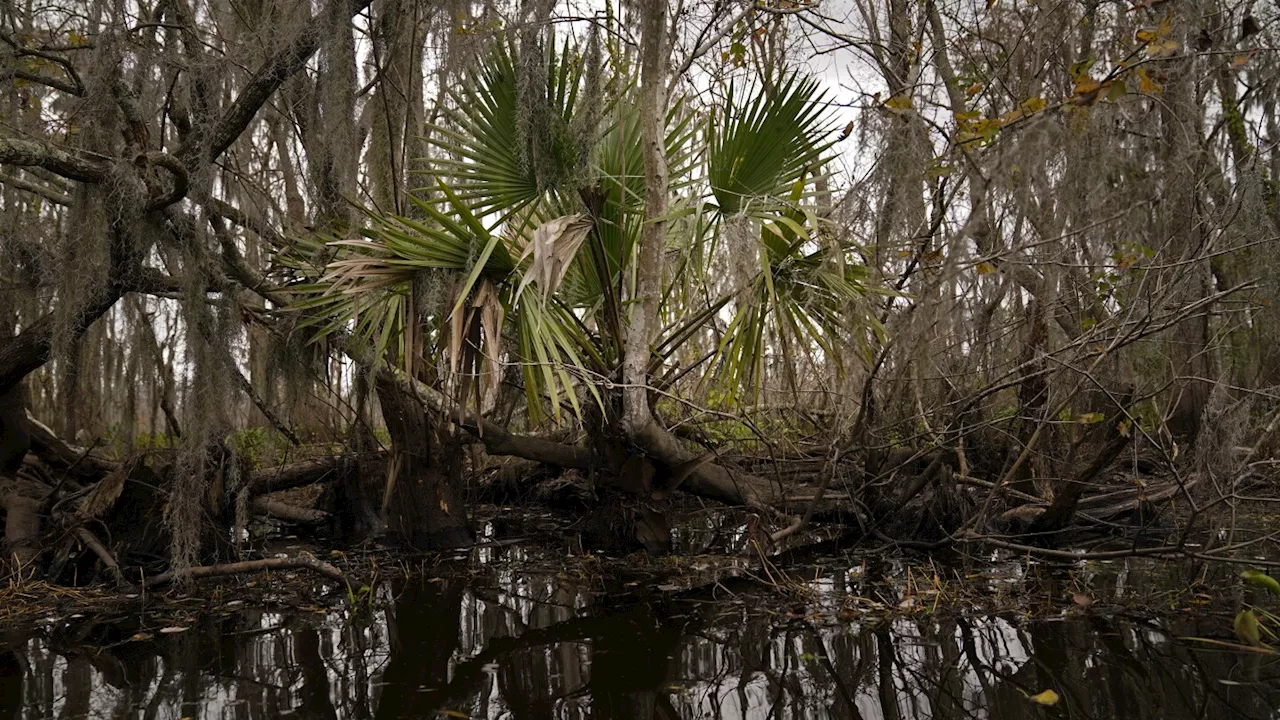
(1253, 623)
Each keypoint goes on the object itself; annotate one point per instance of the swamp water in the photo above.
(524, 631)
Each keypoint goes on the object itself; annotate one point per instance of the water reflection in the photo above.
(526, 644)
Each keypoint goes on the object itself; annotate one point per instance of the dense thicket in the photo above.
(937, 271)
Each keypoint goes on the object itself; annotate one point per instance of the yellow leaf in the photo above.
(76, 39)
(454, 714)
(1047, 697)
(1144, 36)
(444, 506)
(1246, 627)
(1091, 418)
(1034, 105)
(1086, 85)
(1239, 60)
(898, 102)
(1123, 428)
(1146, 84)
(1162, 48)
(986, 268)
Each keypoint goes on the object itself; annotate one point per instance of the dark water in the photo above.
(512, 638)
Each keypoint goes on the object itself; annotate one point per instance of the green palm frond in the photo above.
(765, 142)
(802, 303)
(498, 154)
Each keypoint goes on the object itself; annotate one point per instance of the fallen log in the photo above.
(78, 461)
(1066, 498)
(300, 474)
(285, 511)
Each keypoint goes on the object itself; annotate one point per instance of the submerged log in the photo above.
(621, 525)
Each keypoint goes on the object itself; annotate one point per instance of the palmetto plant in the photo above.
(521, 246)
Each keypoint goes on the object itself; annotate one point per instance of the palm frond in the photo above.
(494, 154)
(765, 142)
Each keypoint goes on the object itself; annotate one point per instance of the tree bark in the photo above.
(15, 431)
(644, 321)
(1186, 233)
(423, 502)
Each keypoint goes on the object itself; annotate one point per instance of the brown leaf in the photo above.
(492, 314)
(103, 496)
(554, 245)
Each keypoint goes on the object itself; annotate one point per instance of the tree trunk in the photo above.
(15, 431)
(644, 320)
(1188, 341)
(424, 502)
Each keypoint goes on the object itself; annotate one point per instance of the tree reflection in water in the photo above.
(528, 645)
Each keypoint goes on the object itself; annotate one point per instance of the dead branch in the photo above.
(113, 568)
(301, 562)
(29, 153)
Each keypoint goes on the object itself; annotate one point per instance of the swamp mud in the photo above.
(526, 627)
